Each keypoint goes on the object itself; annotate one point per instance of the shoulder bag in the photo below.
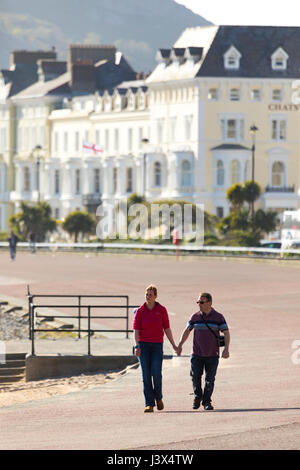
(220, 338)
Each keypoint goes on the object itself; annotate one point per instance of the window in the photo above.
(235, 168)
(220, 173)
(277, 94)
(188, 127)
(107, 140)
(107, 103)
(173, 121)
(97, 136)
(26, 179)
(115, 180)
(220, 212)
(142, 100)
(213, 94)
(232, 129)
(33, 137)
(278, 130)
(76, 141)
(77, 181)
(232, 58)
(65, 141)
(131, 101)
(56, 213)
(116, 140)
(234, 94)
(130, 140)
(186, 174)
(26, 138)
(255, 94)
(129, 180)
(118, 102)
(157, 174)
(159, 128)
(96, 180)
(56, 182)
(279, 59)
(56, 141)
(3, 139)
(278, 174)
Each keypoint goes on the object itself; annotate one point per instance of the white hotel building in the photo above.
(181, 133)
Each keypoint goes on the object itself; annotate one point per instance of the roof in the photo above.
(206, 45)
(256, 45)
(230, 147)
(57, 86)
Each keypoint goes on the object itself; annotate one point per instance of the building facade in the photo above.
(181, 133)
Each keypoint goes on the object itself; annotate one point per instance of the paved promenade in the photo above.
(257, 392)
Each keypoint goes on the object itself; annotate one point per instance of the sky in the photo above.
(252, 12)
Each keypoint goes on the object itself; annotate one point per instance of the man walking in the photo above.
(206, 323)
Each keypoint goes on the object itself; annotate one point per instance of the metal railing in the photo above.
(83, 312)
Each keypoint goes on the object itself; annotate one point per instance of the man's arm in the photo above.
(183, 339)
(225, 353)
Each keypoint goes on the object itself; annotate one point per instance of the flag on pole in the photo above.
(88, 148)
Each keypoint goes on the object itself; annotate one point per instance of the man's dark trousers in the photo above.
(209, 365)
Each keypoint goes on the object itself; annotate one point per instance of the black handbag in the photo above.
(220, 338)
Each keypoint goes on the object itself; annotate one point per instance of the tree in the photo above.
(248, 194)
(37, 219)
(239, 228)
(236, 195)
(78, 222)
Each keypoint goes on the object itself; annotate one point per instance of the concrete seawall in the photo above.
(50, 366)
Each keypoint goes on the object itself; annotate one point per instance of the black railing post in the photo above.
(127, 316)
(30, 300)
(32, 332)
(79, 316)
(89, 330)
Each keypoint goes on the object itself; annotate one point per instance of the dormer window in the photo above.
(141, 100)
(131, 100)
(118, 103)
(232, 59)
(279, 59)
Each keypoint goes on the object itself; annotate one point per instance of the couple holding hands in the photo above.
(151, 321)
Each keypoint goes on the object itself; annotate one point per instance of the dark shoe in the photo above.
(159, 404)
(196, 403)
(148, 409)
(208, 407)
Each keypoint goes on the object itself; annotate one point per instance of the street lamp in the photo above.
(253, 130)
(144, 141)
(37, 151)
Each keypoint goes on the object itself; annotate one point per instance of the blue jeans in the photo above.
(151, 364)
(209, 365)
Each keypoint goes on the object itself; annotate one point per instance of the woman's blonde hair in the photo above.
(153, 288)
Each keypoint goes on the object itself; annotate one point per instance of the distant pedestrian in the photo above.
(32, 242)
(13, 240)
(206, 323)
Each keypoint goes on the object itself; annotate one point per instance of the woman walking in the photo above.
(150, 323)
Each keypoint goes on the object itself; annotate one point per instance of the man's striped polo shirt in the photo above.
(205, 344)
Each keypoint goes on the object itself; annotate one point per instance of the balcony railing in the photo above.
(280, 189)
(91, 199)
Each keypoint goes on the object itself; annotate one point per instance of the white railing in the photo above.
(157, 247)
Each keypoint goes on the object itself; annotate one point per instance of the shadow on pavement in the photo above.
(232, 410)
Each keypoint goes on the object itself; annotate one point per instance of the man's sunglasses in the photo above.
(201, 302)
